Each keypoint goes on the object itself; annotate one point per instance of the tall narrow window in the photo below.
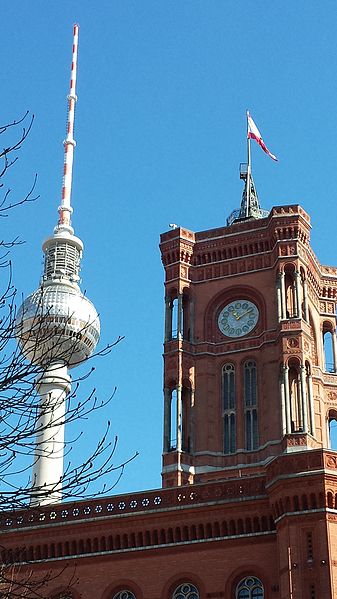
(228, 382)
(310, 399)
(290, 289)
(329, 361)
(174, 308)
(186, 316)
(250, 588)
(295, 400)
(185, 421)
(310, 548)
(173, 420)
(332, 430)
(250, 399)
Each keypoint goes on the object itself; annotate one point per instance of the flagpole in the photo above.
(248, 170)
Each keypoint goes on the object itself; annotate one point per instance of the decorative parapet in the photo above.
(136, 503)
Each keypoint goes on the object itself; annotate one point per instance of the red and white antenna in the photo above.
(65, 209)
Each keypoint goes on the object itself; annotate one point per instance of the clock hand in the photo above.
(244, 314)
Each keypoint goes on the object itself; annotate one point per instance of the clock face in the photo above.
(238, 318)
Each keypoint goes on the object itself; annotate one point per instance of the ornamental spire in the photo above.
(65, 209)
(250, 205)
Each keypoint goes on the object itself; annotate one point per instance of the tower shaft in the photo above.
(53, 388)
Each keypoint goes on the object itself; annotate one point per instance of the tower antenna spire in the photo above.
(65, 209)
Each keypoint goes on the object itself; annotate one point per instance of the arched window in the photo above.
(310, 398)
(304, 306)
(328, 349)
(124, 595)
(174, 318)
(249, 588)
(229, 408)
(187, 316)
(178, 315)
(186, 591)
(185, 421)
(295, 399)
(179, 399)
(250, 399)
(173, 420)
(332, 430)
(290, 295)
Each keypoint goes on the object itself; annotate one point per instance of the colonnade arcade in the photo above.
(297, 400)
(292, 293)
(179, 315)
(178, 401)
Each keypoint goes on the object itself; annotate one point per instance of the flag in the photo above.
(254, 133)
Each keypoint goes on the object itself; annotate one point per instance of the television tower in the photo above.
(57, 326)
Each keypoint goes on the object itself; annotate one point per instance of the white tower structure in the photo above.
(58, 327)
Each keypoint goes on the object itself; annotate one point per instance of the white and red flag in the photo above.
(254, 133)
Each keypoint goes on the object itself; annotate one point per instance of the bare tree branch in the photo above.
(25, 418)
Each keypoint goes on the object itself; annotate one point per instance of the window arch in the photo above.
(178, 409)
(296, 414)
(173, 419)
(332, 429)
(329, 340)
(250, 401)
(290, 291)
(186, 590)
(124, 595)
(229, 408)
(249, 588)
(178, 315)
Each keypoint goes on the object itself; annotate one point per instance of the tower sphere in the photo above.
(57, 323)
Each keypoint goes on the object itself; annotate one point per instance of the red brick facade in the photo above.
(249, 483)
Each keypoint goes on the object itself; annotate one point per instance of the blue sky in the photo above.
(163, 87)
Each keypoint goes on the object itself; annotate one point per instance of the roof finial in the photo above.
(250, 205)
(65, 209)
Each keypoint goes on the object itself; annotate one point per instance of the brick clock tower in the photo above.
(250, 377)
